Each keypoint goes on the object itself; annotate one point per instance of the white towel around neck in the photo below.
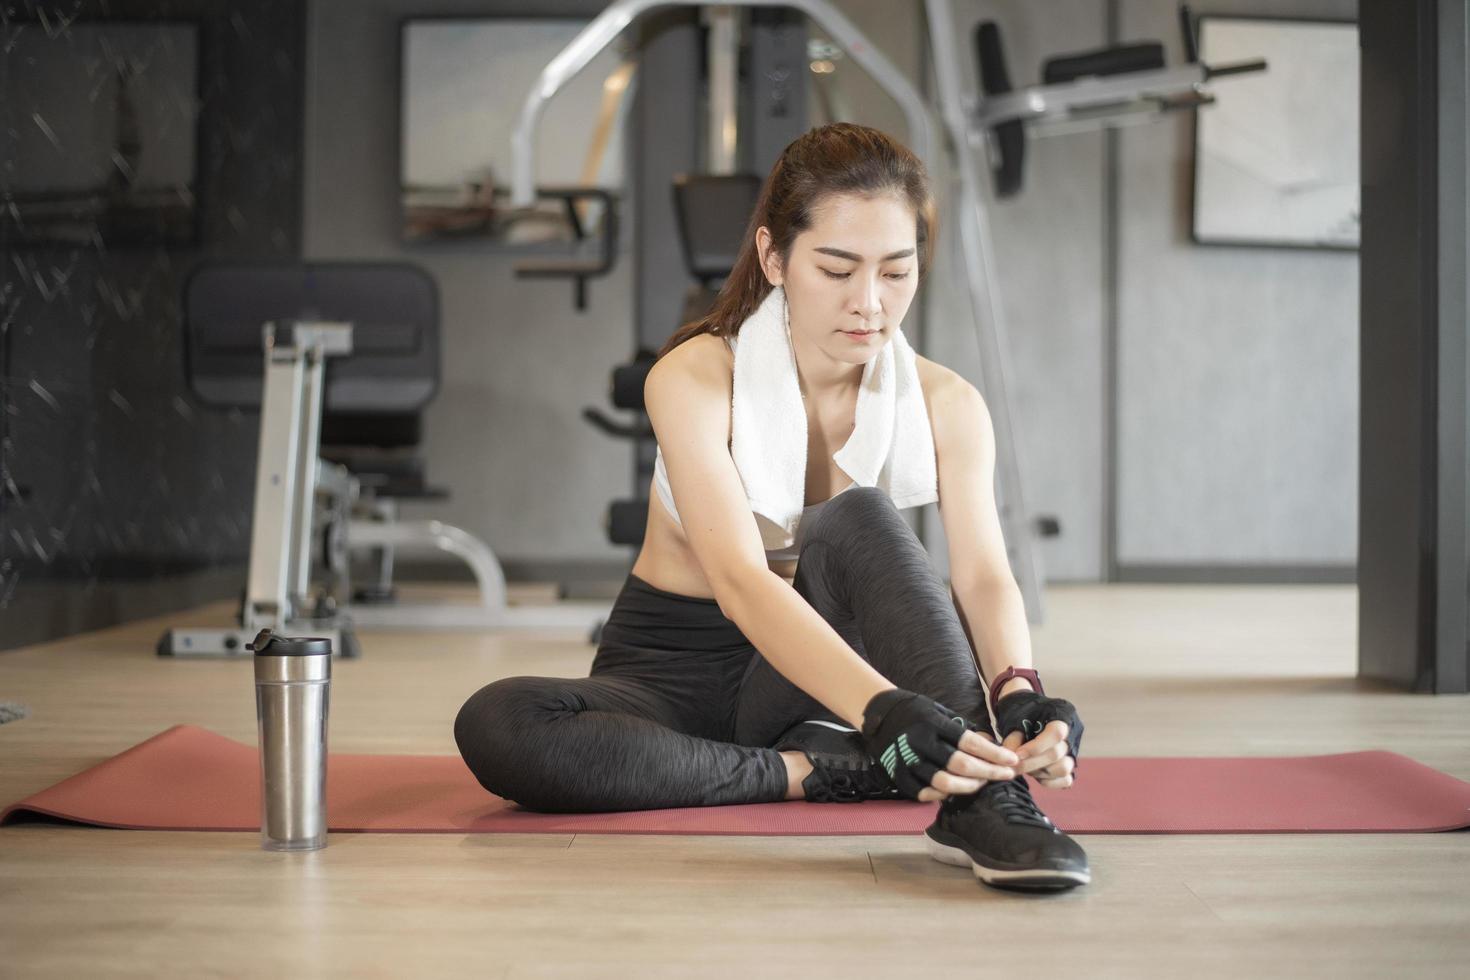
(891, 446)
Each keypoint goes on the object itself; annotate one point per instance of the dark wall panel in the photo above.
(123, 496)
(1412, 567)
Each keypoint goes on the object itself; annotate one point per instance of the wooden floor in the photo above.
(1177, 670)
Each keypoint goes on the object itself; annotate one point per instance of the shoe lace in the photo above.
(1012, 799)
(838, 786)
(840, 782)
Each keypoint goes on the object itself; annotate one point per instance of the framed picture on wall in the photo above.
(1276, 155)
(464, 82)
(105, 137)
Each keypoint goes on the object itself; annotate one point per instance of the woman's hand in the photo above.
(1046, 757)
(1045, 732)
(978, 761)
(928, 751)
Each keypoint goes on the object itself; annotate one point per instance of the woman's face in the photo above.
(854, 270)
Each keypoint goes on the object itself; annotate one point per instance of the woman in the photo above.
(835, 667)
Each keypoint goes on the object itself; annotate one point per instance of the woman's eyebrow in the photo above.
(853, 257)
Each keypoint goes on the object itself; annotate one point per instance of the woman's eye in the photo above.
(843, 275)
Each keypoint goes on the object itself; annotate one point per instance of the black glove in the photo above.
(911, 736)
(1030, 713)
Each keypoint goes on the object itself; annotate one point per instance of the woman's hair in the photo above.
(840, 158)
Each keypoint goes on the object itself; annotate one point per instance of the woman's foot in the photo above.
(830, 765)
(1004, 838)
(798, 767)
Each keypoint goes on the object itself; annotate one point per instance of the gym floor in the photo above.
(1155, 670)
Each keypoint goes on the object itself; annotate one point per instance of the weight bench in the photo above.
(350, 350)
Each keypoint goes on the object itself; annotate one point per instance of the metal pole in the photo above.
(724, 48)
(984, 288)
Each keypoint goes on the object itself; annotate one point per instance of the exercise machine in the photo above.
(285, 495)
(1119, 85)
(1100, 88)
(345, 346)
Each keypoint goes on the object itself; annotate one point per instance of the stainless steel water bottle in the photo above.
(293, 677)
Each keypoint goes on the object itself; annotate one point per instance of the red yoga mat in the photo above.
(189, 778)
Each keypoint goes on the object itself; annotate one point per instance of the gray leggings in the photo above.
(680, 709)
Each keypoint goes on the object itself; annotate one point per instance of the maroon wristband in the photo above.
(1011, 672)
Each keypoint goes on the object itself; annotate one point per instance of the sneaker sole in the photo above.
(1020, 879)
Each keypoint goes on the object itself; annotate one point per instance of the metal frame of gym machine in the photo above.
(289, 476)
(968, 121)
(1086, 103)
(288, 473)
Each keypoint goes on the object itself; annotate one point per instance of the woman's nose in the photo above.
(867, 303)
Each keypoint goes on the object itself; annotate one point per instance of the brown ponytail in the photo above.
(833, 159)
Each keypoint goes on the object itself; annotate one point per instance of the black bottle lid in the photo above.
(268, 644)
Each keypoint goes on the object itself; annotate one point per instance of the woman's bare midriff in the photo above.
(667, 562)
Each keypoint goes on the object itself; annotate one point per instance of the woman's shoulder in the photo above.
(939, 383)
(957, 413)
(952, 402)
(700, 371)
(704, 357)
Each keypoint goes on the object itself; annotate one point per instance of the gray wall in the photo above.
(1235, 381)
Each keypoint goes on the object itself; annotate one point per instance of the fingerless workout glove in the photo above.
(1029, 713)
(911, 736)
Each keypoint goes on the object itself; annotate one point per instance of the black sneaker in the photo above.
(842, 770)
(1004, 837)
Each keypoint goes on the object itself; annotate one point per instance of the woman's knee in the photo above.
(498, 731)
(858, 512)
(862, 500)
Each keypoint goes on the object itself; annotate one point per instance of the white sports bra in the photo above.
(666, 497)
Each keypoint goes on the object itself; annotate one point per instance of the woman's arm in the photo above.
(687, 397)
(803, 646)
(986, 594)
